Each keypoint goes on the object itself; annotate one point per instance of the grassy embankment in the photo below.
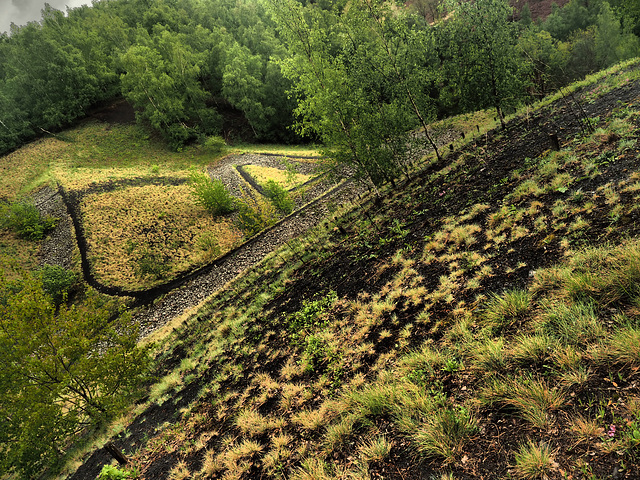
(480, 321)
(136, 205)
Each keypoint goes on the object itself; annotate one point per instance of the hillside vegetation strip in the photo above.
(462, 325)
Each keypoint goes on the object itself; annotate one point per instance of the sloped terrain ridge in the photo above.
(481, 320)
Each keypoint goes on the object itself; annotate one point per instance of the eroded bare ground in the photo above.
(356, 264)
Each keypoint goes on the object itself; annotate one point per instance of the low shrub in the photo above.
(214, 145)
(56, 281)
(253, 216)
(279, 197)
(25, 220)
(109, 472)
(211, 194)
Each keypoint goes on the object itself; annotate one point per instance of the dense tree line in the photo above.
(177, 62)
(181, 63)
(366, 73)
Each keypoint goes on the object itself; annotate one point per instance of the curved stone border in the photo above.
(72, 203)
(306, 157)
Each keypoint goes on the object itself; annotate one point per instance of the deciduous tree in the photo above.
(482, 63)
(62, 370)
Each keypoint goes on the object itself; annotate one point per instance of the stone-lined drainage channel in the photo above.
(200, 283)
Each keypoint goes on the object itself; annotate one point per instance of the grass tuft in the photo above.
(534, 461)
(531, 399)
(503, 311)
(444, 433)
(375, 449)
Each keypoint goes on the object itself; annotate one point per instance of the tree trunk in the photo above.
(116, 453)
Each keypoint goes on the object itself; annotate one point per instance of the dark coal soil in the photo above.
(350, 267)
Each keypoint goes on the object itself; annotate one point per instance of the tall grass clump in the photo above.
(503, 311)
(211, 194)
(531, 399)
(435, 426)
(279, 197)
(622, 348)
(533, 461)
(604, 275)
(575, 324)
(444, 433)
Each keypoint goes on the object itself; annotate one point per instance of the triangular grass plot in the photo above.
(286, 178)
(142, 235)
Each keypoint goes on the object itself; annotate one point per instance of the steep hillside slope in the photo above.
(479, 321)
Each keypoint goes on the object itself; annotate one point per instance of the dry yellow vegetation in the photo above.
(124, 224)
(283, 178)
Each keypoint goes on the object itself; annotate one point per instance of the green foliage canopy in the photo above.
(62, 370)
(358, 74)
(356, 83)
(482, 64)
(211, 193)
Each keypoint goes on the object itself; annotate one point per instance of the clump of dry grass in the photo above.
(586, 430)
(532, 399)
(534, 461)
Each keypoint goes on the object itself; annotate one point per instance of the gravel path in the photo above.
(59, 245)
(58, 248)
(227, 172)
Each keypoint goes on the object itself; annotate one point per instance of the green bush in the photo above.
(25, 220)
(279, 197)
(109, 472)
(178, 135)
(211, 194)
(45, 351)
(56, 281)
(214, 145)
(253, 216)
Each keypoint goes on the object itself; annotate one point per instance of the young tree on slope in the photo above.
(405, 60)
(328, 105)
(481, 60)
(359, 83)
(61, 371)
